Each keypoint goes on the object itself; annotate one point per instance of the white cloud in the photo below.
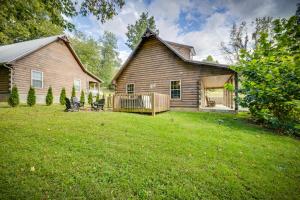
(207, 38)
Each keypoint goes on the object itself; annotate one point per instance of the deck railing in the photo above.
(151, 102)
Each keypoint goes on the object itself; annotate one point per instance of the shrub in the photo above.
(97, 97)
(31, 98)
(62, 98)
(270, 76)
(49, 97)
(73, 92)
(82, 97)
(13, 99)
(90, 98)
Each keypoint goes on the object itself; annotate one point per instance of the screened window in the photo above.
(175, 90)
(130, 88)
(37, 79)
(77, 85)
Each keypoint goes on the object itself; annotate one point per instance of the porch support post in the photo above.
(236, 87)
(199, 94)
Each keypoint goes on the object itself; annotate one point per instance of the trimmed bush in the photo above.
(31, 98)
(49, 97)
(73, 92)
(97, 97)
(62, 98)
(82, 97)
(90, 98)
(13, 99)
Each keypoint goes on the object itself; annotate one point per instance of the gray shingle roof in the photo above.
(12, 52)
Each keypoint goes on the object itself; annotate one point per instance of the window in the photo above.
(77, 85)
(175, 90)
(130, 88)
(37, 79)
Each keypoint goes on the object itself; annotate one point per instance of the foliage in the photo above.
(82, 97)
(239, 39)
(97, 97)
(62, 98)
(109, 55)
(89, 51)
(90, 98)
(31, 98)
(136, 31)
(24, 20)
(13, 99)
(210, 59)
(49, 97)
(271, 76)
(119, 152)
(73, 94)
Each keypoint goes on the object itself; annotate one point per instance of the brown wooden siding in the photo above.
(184, 51)
(59, 68)
(155, 64)
(4, 80)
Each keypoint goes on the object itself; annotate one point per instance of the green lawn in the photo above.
(47, 153)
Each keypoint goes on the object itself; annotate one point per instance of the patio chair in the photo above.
(98, 105)
(210, 103)
(71, 106)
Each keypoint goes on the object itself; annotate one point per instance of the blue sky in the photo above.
(203, 24)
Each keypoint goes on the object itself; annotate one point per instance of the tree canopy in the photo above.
(25, 20)
(270, 76)
(209, 58)
(135, 31)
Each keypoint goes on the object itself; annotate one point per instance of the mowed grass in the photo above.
(46, 153)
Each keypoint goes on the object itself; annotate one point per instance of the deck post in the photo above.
(236, 88)
(153, 103)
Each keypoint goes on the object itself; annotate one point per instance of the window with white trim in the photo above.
(77, 85)
(130, 88)
(175, 88)
(36, 79)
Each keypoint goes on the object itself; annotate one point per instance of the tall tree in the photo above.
(239, 39)
(135, 31)
(89, 51)
(23, 20)
(109, 57)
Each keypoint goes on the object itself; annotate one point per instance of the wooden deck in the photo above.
(150, 102)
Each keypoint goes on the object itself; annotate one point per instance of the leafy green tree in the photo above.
(31, 98)
(73, 91)
(23, 20)
(13, 99)
(89, 51)
(49, 97)
(62, 98)
(135, 31)
(270, 76)
(97, 97)
(82, 97)
(210, 59)
(109, 57)
(90, 98)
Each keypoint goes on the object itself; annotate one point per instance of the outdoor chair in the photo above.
(98, 105)
(71, 106)
(210, 103)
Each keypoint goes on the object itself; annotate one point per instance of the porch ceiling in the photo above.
(215, 81)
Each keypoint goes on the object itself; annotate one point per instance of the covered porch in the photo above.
(213, 96)
(94, 88)
(4, 83)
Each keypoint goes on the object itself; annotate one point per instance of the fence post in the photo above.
(153, 103)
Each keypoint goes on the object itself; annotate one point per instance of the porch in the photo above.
(94, 88)
(214, 97)
(4, 83)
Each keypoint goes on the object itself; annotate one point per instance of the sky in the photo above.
(203, 24)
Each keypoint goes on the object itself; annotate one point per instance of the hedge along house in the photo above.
(41, 63)
(166, 67)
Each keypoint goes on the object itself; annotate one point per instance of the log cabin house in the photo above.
(163, 67)
(41, 63)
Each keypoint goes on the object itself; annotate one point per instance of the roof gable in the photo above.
(148, 33)
(13, 52)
